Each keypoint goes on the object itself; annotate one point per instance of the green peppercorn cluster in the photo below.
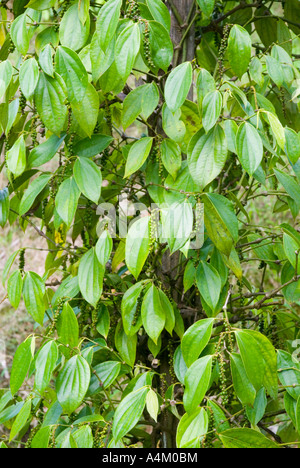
(55, 318)
(31, 436)
(108, 116)
(100, 436)
(133, 11)
(138, 309)
(272, 331)
(23, 103)
(12, 46)
(147, 46)
(65, 7)
(105, 157)
(223, 380)
(171, 351)
(154, 227)
(22, 260)
(222, 50)
(70, 144)
(210, 436)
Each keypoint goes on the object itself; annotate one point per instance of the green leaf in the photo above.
(209, 284)
(8, 265)
(129, 306)
(221, 222)
(178, 86)
(34, 189)
(6, 73)
(173, 126)
(73, 72)
(291, 246)
(46, 60)
(292, 145)
(160, 12)
(177, 224)
(168, 310)
(180, 367)
(21, 363)
(50, 96)
(290, 185)
(83, 10)
(212, 106)
(195, 340)
(19, 34)
(196, 383)
(10, 412)
(72, 33)
(152, 404)
(16, 157)
(260, 361)
(41, 4)
(206, 6)
(298, 415)
(67, 327)
(101, 61)
(20, 420)
(256, 71)
(83, 437)
(239, 50)
(67, 199)
(4, 206)
(192, 429)
(107, 22)
(90, 275)
(221, 424)
(86, 112)
(103, 323)
(107, 372)
(45, 364)
(207, 154)
(205, 85)
(90, 147)
(138, 154)
(88, 178)
(246, 438)
(277, 129)
(132, 106)
(153, 314)
(46, 151)
(243, 387)
(41, 438)
(161, 47)
(14, 288)
(104, 248)
(33, 293)
(72, 383)
(126, 345)
(275, 71)
(289, 373)
(138, 246)
(171, 156)
(29, 76)
(129, 412)
(249, 147)
(150, 100)
(127, 48)
(256, 413)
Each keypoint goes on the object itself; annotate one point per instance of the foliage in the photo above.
(155, 337)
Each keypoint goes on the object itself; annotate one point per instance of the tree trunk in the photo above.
(182, 12)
